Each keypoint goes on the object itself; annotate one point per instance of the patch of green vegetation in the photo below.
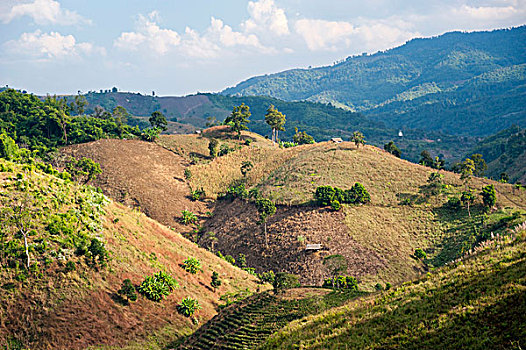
(47, 221)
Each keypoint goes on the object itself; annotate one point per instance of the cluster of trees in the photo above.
(334, 196)
(45, 125)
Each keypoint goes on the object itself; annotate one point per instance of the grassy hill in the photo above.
(478, 302)
(377, 239)
(68, 299)
(456, 83)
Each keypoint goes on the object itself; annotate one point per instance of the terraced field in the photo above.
(249, 324)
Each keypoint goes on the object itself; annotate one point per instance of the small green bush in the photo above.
(158, 286)
(283, 280)
(98, 252)
(187, 174)
(188, 306)
(127, 291)
(192, 265)
(324, 194)
(420, 254)
(266, 277)
(230, 259)
(198, 194)
(342, 282)
(216, 282)
(188, 217)
(335, 205)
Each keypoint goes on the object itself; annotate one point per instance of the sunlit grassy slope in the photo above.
(477, 303)
(52, 306)
(398, 220)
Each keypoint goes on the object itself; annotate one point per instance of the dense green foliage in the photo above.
(326, 195)
(191, 265)
(489, 196)
(239, 118)
(128, 291)
(45, 125)
(188, 307)
(341, 282)
(158, 286)
(458, 83)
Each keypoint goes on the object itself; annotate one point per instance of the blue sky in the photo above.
(178, 47)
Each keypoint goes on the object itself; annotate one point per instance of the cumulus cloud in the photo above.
(266, 16)
(43, 12)
(364, 35)
(50, 46)
(148, 35)
(320, 34)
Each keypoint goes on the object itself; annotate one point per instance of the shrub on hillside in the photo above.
(335, 205)
(158, 286)
(283, 280)
(215, 282)
(420, 254)
(192, 265)
(324, 194)
(127, 291)
(341, 282)
(188, 306)
(198, 194)
(188, 217)
(266, 277)
(236, 190)
(98, 253)
(489, 196)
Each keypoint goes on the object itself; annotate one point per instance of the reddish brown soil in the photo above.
(142, 174)
(236, 229)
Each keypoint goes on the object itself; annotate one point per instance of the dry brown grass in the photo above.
(74, 310)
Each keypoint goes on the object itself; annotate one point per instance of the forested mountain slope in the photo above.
(457, 83)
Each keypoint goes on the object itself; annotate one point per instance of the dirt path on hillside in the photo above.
(142, 174)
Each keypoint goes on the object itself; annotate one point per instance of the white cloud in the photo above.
(229, 37)
(485, 13)
(320, 34)
(50, 46)
(148, 36)
(43, 12)
(266, 16)
(368, 35)
(195, 45)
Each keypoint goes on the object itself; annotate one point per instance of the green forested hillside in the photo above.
(322, 121)
(505, 152)
(457, 83)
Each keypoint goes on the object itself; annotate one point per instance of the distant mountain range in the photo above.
(456, 83)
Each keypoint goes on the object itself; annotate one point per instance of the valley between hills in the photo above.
(189, 223)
